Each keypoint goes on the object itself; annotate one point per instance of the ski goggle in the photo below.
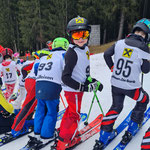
(76, 35)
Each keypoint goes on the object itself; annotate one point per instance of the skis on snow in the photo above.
(37, 144)
(122, 146)
(85, 133)
(119, 129)
(7, 138)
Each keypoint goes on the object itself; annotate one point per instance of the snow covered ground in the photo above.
(100, 71)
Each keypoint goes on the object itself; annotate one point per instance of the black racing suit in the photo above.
(118, 94)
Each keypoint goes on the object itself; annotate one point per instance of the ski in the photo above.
(7, 138)
(87, 132)
(122, 146)
(27, 147)
(95, 122)
(119, 129)
(40, 146)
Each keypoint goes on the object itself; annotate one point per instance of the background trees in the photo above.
(27, 25)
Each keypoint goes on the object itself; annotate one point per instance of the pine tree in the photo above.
(8, 23)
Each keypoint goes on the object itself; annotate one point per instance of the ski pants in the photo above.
(45, 118)
(6, 123)
(71, 118)
(118, 95)
(28, 106)
(145, 145)
(9, 90)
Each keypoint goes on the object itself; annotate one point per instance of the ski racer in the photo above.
(9, 72)
(6, 113)
(74, 78)
(48, 88)
(29, 103)
(17, 100)
(131, 57)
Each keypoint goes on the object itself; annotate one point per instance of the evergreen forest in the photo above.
(28, 24)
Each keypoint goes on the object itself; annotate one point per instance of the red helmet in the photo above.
(1, 48)
(7, 52)
(49, 44)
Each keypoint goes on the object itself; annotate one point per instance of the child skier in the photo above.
(6, 113)
(75, 73)
(21, 87)
(48, 88)
(30, 101)
(9, 71)
(131, 57)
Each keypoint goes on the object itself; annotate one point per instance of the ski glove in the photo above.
(90, 85)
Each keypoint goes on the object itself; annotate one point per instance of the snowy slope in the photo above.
(100, 71)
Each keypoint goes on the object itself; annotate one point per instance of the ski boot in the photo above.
(98, 145)
(59, 145)
(104, 139)
(131, 131)
(28, 127)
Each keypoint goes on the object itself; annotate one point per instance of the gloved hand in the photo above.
(112, 68)
(13, 97)
(91, 84)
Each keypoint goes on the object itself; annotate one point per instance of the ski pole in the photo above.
(98, 84)
(142, 77)
(95, 96)
(86, 122)
(99, 103)
(62, 101)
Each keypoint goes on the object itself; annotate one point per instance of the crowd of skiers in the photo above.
(66, 65)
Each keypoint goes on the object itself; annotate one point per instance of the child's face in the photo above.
(80, 42)
(80, 37)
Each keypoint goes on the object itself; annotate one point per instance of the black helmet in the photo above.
(78, 23)
(143, 24)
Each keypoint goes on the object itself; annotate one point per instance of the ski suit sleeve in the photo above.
(70, 62)
(36, 68)
(107, 56)
(25, 69)
(5, 105)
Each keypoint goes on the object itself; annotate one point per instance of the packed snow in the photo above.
(100, 71)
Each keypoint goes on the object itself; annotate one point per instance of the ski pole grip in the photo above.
(89, 79)
(98, 84)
